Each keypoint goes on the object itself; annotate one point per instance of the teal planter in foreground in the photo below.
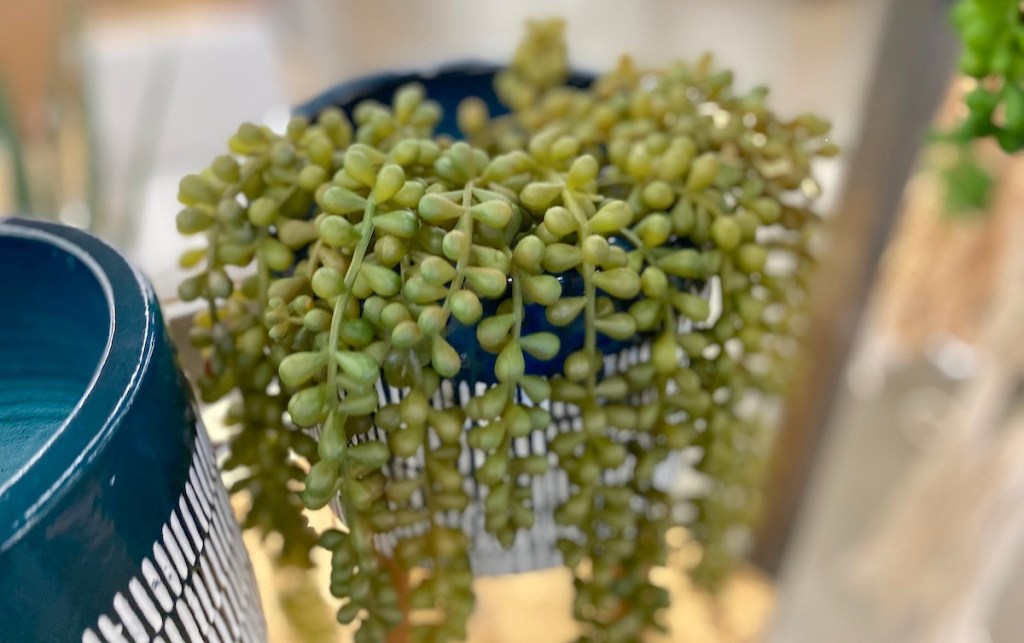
(114, 525)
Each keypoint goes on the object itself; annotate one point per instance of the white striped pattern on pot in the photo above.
(198, 585)
(533, 548)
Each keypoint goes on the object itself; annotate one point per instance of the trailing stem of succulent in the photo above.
(574, 244)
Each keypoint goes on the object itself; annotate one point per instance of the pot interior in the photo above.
(55, 323)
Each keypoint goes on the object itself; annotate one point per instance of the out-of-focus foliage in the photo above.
(992, 32)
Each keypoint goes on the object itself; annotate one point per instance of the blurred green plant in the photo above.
(11, 142)
(992, 32)
(966, 181)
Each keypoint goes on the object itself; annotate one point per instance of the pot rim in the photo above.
(48, 475)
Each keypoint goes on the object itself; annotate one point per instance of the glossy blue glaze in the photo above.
(97, 430)
(449, 86)
(44, 373)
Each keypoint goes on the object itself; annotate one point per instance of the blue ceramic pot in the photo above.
(114, 525)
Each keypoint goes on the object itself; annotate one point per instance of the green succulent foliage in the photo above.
(992, 32)
(967, 184)
(410, 230)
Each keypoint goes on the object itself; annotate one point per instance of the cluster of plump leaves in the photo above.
(992, 32)
(369, 241)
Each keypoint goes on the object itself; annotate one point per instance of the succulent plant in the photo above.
(655, 211)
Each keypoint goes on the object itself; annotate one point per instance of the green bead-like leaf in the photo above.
(703, 172)
(338, 232)
(278, 256)
(664, 353)
(490, 257)
(620, 326)
(494, 469)
(541, 289)
(435, 208)
(573, 511)
(543, 345)
(328, 282)
(622, 283)
(320, 483)
(559, 221)
(466, 307)
(359, 366)
(536, 388)
(540, 195)
(447, 424)
(298, 368)
(751, 258)
(419, 291)
(583, 170)
(406, 335)
(565, 444)
(726, 233)
(444, 358)
(437, 271)
(192, 221)
(496, 214)
(360, 163)
(490, 404)
(432, 320)
(560, 257)
(194, 190)
(339, 200)
(529, 253)
(654, 230)
(493, 331)
(579, 366)
(596, 250)
(383, 281)
(510, 364)
(517, 420)
(683, 263)
(487, 282)
(611, 218)
(455, 244)
(406, 442)
(694, 307)
(306, 406)
(357, 333)
(564, 311)
(263, 211)
(647, 313)
(401, 223)
(390, 180)
(653, 282)
(333, 442)
(296, 234)
(362, 403)
(372, 454)
(612, 387)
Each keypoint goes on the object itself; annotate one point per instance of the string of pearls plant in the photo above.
(615, 209)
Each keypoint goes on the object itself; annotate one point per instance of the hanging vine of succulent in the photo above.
(656, 208)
